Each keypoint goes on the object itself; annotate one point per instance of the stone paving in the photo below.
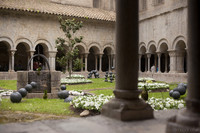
(93, 124)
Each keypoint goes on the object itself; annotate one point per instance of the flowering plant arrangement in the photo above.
(145, 79)
(6, 93)
(90, 102)
(76, 76)
(152, 86)
(76, 93)
(75, 81)
(164, 104)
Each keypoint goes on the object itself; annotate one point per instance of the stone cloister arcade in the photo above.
(15, 57)
(165, 58)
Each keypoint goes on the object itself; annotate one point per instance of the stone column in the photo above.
(109, 62)
(159, 62)
(188, 120)
(86, 55)
(10, 62)
(13, 61)
(140, 62)
(52, 59)
(113, 60)
(146, 63)
(180, 61)
(166, 55)
(172, 55)
(31, 55)
(81, 63)
(100, 62)
(126, 105)
(155, 62)
(149, 59)
(96, 62)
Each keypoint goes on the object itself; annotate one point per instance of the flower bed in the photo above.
(76, 93)
(153, 86)
(76, 76)
(164, 104)
(145, 79)
(90, 102)
(75, 81)
(6, 93)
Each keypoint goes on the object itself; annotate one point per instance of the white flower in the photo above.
(180, 105)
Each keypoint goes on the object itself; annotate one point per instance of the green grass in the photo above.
(8, 84)
(97, 83)
(49, 106)
(107, 92)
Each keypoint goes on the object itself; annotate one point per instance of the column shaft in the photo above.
(127, 106)
(86, 55)
(96, 62)
(166, 55)
(159, 62)
(140, 62)
(149, 61)
(100, 62)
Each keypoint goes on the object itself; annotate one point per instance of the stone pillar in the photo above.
(10, 62)
(96, 62)
(140, 62)
(188, 120)
(166, 55)
(126, 105)
(81, 63)
(180, 61)
(109, 62)
(146, 63)
(100, 62)
(113, 60)
(159, 62)
(52, 60)
(155, 62)
(13, 61)
(149, 59)
(172, 55)
(31, 55)
(86, 55)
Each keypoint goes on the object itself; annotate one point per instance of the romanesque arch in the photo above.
(94, 50)
(143, 58)
(22, 55)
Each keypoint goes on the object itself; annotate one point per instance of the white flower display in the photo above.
(145, 79)
(72, 81)
(152, 86)
(76, 93)
(6, 93)
(90, 102)
(164, 104)
(76, 76)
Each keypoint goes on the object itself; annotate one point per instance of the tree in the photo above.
(66, 45)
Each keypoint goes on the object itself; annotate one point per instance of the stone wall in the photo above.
(166, 77)
(8, 75)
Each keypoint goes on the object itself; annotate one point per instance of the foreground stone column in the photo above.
(188, 120)
(126, 105)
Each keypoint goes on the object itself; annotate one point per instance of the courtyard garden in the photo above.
(90, 96)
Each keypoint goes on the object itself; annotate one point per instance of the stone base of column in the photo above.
(184, 122)
(127, 110)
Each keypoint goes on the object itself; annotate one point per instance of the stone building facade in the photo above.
(163, 39)
(30, 27)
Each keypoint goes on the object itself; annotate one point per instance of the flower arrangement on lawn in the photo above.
(75, 81)
(90, 102)
(6, 93)
(145, 79)
(153, 86)
(164, 104)
(76, 93)
(76, 76)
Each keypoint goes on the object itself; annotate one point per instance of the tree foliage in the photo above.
(66, 45)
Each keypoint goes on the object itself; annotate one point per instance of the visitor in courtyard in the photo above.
(153, 69)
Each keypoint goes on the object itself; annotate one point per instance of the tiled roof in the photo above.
(45, 6)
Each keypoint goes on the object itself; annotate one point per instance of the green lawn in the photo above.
(97, 84)
(8, 84)
(49, 106)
